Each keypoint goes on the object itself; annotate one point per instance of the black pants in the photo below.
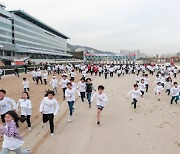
(147, 87)
(26, 89)
(16, 74)
(39, 78)
(91, 73)
(142, 92)
(99, 73)
(50, 118)
(168, 91)
(175, 74)
(176, 98)
(3, 117)
(64, 89)
(82, 96)
(105, 74)
(134, 102)
(27, 119)
(111, 74)
(45, 81)
(34, 78)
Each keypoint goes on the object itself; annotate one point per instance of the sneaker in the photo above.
(29, 151)
(98, 123)
(158, 99)
(29, 128)
(89, 106)
(70, 119)
(52, 134)
(134, 110)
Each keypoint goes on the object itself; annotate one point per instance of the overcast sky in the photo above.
(153, 26)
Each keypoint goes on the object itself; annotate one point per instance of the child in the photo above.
(89, 88)
(169, 85)
(34, 74)
(135, 94)
(63, 84)
(119, 72)
(142, 87)
(49, 108)
(26, 109)
(12, 140)
(137, 78)
(158, 90)
(54, 84)
(175, 90)
(70, 95)
(101, 101)
(82, 88)
(25, 84)
(146, 81)
(6, 104)
(105, 73)
(45, 77)
(72, 74)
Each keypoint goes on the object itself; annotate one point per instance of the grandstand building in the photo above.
(23, 35)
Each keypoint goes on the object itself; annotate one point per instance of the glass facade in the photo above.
(28, 35)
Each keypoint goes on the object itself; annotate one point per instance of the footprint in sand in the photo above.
(151, 111)
(163, 124)
(155, 107)
(177, 144)
(138, 135)
(38, 134)
(150, 146)
(130, 119)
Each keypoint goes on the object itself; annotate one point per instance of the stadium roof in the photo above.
(37, 22)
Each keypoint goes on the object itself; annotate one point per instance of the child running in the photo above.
(158, 89)
(82, 88)
(54, 84)
(49, 108)
(135, 94)
(25, 84)
(12, 140)
(26, 109)
(101, 101)
(6, 104)
(63, 84)
(89, 88)
(175, 90)
(70, 95)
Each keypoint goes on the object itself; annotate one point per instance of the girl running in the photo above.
(49, 108)
(175, 90)
(70, 95)
(12, 140)
(26, 109)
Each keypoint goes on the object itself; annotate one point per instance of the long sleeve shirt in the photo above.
(26, 106)
(49, 106)
(63, 83)
(101, 99)
(175, 91)
(81, 86)
(158, 89)
(25, 84)
(135, 94)
(70, 94)
(7, 104)
(54, 83)
(12, 139)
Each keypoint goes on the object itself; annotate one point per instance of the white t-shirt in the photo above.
(45, 76)
(135, 93)
(26, 106)
(54, 83)
(25, 84)
(49, 106)
(70, 94)
(81, 86)
(7, 104)
(63, 83)
(101, 99)
(175, 91)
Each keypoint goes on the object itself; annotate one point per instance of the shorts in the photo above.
(100, 107)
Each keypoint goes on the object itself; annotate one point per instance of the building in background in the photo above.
(137, 53)
(24, 35)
